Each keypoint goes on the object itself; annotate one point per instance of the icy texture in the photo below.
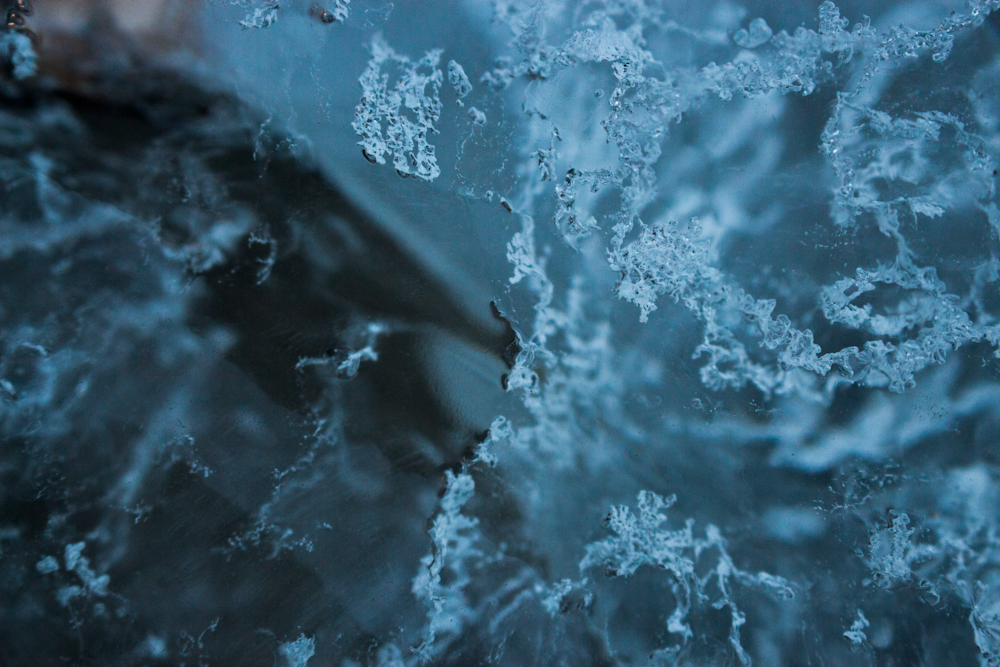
(757, 33)
(640, 540)
(458, 79)
(856, 633)
(262, 16)
(749, 259)
(404, 139)
(454, 538)
(297, 653)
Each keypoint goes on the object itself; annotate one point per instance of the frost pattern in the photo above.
(346, 365)
(890, 551)
(892, 170)
(856, 633)
(477, 117)
(754, 35)
(261, 17)
(985, 620)
(580, 377)
(90, 583)
(641, 539)
(338, 12)
(458, 79)
(403, 138)
(670, 259)
(297, 653)
(454, 536)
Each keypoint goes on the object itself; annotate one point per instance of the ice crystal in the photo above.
(801, 212)
(403, 139)
(476, 116)
(458, 79)
(337, 13)
(985, 620)
(92, 584)
(347, 363)
(856, 633)
(297, 653)
(453, 537)
(641, 539)
(754, 35)
(663, 261)
(890, 552)
(261, 17)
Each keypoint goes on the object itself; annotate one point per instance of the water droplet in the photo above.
(14, 19)
(24, 6)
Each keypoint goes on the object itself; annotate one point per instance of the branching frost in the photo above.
(641, 539)
(404, 139)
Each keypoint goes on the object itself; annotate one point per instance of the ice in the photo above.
(297, 653)
(856, 633)
(757, 33)
(679, 349)
(261, 17)
(404, 139)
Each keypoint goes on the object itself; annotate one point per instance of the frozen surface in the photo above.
(500, 333)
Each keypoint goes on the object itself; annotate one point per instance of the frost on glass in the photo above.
(261, 16)
(640, 540)
(680, 349)
(404, 139)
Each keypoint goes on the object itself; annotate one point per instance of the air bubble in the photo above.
(14, 19)
(368, 156)
(24, 7)
(327, 16)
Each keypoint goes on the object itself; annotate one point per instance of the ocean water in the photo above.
(500, 333)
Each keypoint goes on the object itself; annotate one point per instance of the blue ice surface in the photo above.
(508, 333)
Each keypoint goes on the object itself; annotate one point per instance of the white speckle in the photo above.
(476, 116)
(261, 17)
(857, 631)
(458, 79)
(759, 32)
(298, 652)
(47, 565)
